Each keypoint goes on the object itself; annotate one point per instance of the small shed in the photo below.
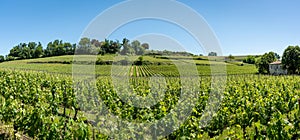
(277, 69)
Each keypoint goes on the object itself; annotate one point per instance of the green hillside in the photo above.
(63, 64)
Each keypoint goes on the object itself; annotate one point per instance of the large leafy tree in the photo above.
(291, 59)
(26, 53)
(58, 47)
(38, 52)
(69, 48)
(104, 46)
(2, 58)
(85, 46)
(263, 63)
(277, 56)
(51, 49)
(110, 47)
(138, 48)
(250, 59)
(15, 51)
(96, 43)
(115, 47)
(133, 48)
(22, 51)
(145, 46)
(212, 54)
(127, 49)
(231, 57)
(136, 45)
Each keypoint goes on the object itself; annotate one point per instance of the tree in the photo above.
(38, 52)
(69, 48)
(230, 57)
(58, 47)
(263, 63)
(85, 46)
(9, 58)
(140, 51)
(135, 45)
(115, 47)
(250, 59)
(2, 59)
(145, 46)
(104, 47)
(49, 50)
(291, 59)
(277, 56)
(23, 51)
(32, 45)
(127, 49)
(15, 51)
(52, 48)
(96, 43)
(138, 48)
(212, 54)
(110, 47)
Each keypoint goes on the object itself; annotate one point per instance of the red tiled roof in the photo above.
(276, 63)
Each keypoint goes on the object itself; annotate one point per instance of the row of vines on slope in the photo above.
(46, 106)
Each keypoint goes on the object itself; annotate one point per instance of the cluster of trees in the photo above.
(134, 47)
(58, 48)
(169, 53)
(26, 51)
(212, 54)
(85, 46)
(290, 60)
(2, 58)
(249, 59)
(263, 63)
(35, 50)
(94, 46)
(231, 57)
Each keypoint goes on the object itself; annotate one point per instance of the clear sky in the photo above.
(242, 26)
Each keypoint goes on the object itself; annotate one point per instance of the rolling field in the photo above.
(40, 100)
(61, 65)
(149, 70)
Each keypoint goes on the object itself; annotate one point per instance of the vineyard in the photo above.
(52, 106)
(63, 65)
(150, 70)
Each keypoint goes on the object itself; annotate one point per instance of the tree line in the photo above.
(85, 46)
(290, 60)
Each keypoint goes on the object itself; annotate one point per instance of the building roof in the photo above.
(276, 63)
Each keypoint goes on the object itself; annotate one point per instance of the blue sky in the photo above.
(242, 26)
